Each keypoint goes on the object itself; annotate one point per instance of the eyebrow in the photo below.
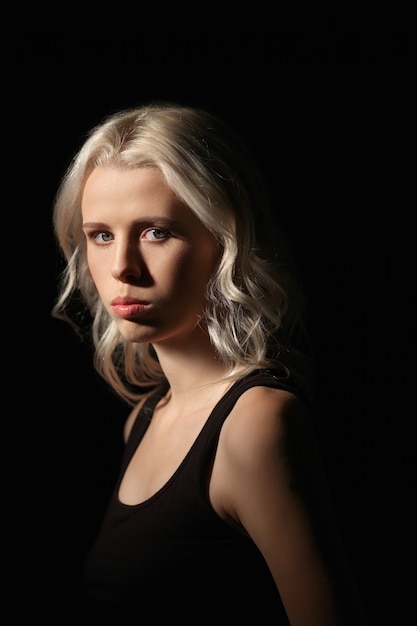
(162, 221)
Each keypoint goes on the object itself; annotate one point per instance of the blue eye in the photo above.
(102, 237)
(156, 234)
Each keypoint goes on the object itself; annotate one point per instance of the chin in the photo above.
(135, 333)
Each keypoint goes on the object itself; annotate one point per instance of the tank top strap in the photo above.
(257, 378)
(144, 416)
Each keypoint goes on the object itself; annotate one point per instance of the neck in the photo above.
(191, 367)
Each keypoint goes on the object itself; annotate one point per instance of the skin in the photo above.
(145, 245)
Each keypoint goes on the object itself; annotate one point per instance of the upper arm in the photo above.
(274, 486)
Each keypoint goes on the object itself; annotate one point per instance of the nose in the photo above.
(127, 264)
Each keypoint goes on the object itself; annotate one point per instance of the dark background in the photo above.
(330, 115)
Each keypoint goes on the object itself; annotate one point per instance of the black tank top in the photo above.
(172, 556)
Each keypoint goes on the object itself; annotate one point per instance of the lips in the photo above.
(129, 307)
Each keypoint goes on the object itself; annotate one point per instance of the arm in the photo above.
(273, 486)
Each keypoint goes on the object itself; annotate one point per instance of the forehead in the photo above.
(116, 190)
(109, 181)
(111, 193)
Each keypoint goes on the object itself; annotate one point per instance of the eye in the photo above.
(100, 237)
(156, 234)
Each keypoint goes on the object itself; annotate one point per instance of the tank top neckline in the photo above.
(150, 404)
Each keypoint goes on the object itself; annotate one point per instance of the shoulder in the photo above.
(131, 418)
(153, 397)
(266, 419)
(267, 446)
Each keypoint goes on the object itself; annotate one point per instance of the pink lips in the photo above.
(128, 307)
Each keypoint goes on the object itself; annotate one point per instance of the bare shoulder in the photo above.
(267, 446)
(266, 419)
(268, 482)
(130, 420)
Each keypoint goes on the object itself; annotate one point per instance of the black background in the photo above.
(330, 115)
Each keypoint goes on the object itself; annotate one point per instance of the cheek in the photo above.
(192, 272)
(98, 269)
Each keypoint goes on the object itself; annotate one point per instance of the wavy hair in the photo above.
(254, 305)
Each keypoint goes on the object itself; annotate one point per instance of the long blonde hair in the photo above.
(254, 305)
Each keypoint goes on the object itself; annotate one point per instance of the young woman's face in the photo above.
(149, 256)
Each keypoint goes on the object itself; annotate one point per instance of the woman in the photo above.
(221, 507)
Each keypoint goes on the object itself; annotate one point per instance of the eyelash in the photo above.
(94, 235)
(166, 233)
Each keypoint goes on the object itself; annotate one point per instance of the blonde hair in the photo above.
(253, 302)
